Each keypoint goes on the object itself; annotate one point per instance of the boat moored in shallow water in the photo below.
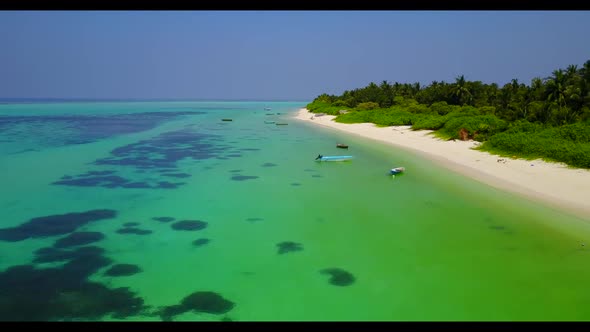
(396, 170)
(332, 158)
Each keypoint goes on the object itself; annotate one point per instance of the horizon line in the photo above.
(40, 99)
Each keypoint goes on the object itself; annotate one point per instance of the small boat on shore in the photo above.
(342, 146)
(332, 158)
(396, 170)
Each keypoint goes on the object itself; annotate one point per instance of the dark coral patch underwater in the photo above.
(243, 177)
(339, 277)
(53, 225)
(201, 242)
(159, 155)
(207, 302)
(64, 293)
(163, 219)
(165, 150)
(288, 246)
(82, 129)
(177, 175)
(52, 254)
(78, 239)
(122, 270)
(189, 225)
(134, 230)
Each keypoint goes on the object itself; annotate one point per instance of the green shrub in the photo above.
(442, 108)
(487, 110)
(418, 109)
(323, 107)
(367, 106)
(479, 127)
(431, 122)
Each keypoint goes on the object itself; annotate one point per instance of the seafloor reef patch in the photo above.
(177, 175)
(122, 270)
(134, 230)
(288, 246)
(62, 130)
(51, 254)
(64, 293)
(208, 302)
(159, 155)
(243, 177)
(201, 242)
(339, 277)
(53, 225)
(78, 239)
(189, 225)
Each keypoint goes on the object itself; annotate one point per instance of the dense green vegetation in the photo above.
(549, 119)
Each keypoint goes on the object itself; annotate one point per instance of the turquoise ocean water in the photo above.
(256, 230)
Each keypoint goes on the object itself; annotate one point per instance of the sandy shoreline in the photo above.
(551, 183)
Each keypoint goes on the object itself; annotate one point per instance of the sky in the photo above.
(275, 55)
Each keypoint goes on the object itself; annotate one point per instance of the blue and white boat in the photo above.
(332, 158)
(396, 170)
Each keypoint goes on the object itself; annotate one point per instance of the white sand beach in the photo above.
(552, 183)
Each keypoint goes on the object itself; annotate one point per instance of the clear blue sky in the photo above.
(279, 55)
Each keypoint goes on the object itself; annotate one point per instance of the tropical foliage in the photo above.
(549, 119)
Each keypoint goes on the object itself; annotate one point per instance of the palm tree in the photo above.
(560, 94)
(514, 84)
(536, 83)
(461, 92)
(556, 88)
(571, 72)
(527, 98)
(585, 71)
(386, 97)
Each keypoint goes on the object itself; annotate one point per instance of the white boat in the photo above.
(332, 158)
(397, 170)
